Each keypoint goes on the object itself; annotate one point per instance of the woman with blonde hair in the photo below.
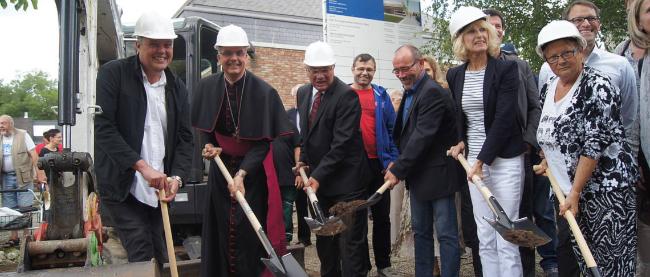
(433, 70)
(635, 49)
(484, 89)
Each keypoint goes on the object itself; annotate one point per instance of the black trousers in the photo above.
(140, 229)
(567, 263)
(343, 254)
(302, 203)
(380, 218)
(526, 209)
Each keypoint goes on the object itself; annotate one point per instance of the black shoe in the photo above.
(305, 242)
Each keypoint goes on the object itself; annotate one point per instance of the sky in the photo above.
(30, 39)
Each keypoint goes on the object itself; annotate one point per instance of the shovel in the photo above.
(344, 208)
(168, 233)
(522, 232)
(288, 267)
(575, 229)
(320, 226)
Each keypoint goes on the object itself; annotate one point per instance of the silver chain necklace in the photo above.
(232, 116)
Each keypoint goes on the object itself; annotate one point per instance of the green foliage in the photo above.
(524, 19)
(18, 4)
(613, 22)
(33, 92)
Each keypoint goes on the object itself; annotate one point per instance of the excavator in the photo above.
(72, 238)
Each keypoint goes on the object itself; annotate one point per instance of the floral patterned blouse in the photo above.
(592, 127)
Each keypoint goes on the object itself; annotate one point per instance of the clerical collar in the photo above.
(236, 83)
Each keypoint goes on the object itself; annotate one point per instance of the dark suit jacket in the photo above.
(527, 99)
(423, 140)
(292, 116)
(332, 147)
(503, 137)
(120, 128)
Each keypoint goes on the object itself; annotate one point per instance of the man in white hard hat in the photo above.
(142, 137)
(240, 113)
(333, 149)
(585, 15)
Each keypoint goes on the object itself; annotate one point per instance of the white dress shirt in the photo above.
(153, 141)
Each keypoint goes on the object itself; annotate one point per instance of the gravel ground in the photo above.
(403, 266)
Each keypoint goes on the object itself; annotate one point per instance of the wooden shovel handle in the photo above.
(310, 192)
(487, 194)
(570, 218)
(239, 196)
(168, 233)
(383, 187)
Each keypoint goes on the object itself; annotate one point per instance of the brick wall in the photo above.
(281, 68)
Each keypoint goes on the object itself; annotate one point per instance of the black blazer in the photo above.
(332, 147)
(120, 128)
(503, 137)
(423, 140)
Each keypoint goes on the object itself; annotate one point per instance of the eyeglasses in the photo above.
(366, 69)
(229, 53)
(404, 69)
(319, 70)
(565, 55)
(579, 20)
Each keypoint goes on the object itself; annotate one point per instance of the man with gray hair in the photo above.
(142, 137)
(18, 161)
(333, 149)
(424, 130)
(240, 113)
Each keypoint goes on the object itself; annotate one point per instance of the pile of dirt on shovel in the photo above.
(345, 208)
(523, 238)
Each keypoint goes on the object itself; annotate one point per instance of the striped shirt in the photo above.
(472, 101)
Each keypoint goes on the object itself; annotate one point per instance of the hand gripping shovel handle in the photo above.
(168, 233)
(275, 265)
(487, 194)
(575, 229)
(320, 216)
(244, 204)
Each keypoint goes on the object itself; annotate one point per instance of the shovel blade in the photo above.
(333, 226)
(536, 236)
(313, 223)
(521, 232)
(275, 266)
(292, 266)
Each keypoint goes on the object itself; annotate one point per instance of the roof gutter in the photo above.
(316, 22)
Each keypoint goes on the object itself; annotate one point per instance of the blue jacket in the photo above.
(384, 123)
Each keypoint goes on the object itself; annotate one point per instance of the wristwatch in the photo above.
(179, 180)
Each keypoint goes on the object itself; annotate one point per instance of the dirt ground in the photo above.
(402, 266)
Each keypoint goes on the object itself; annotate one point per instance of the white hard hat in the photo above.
(154, 26)
(319, 54)
(463, 17)
(555, 30)
(231, 35)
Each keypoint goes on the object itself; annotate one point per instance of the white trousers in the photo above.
(504, 178)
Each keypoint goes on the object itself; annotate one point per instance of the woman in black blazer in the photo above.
(484, 90)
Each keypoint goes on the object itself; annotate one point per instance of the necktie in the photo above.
(314, 107)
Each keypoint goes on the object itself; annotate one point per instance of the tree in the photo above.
(524, 19)
(33, 93)
(18, 4)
